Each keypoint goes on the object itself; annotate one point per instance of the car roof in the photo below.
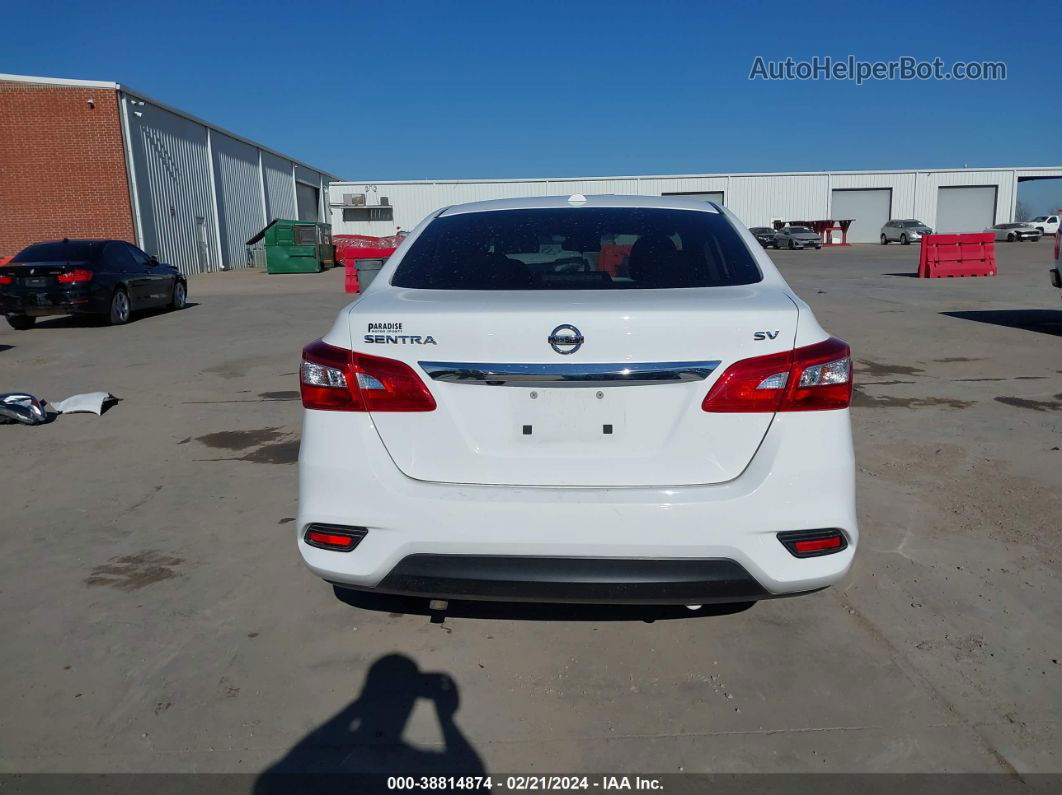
(561, 202)
(79, 240)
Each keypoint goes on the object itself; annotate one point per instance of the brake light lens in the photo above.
(76, 276)
(812, 378)
(5, 279)
(335, 379)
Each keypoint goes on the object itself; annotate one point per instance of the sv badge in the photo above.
(764, 335)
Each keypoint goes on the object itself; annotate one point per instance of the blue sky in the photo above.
(405, 90)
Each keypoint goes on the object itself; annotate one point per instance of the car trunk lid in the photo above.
(623, 409)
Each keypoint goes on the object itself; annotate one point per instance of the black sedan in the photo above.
(110, 278)
(764, 235)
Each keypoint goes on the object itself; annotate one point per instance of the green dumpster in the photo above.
(288, 246)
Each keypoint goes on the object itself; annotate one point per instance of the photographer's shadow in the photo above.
(365, 737)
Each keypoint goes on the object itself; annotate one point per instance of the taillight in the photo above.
(335, 379)
(811, 378)
(5, 279)
(75, 276)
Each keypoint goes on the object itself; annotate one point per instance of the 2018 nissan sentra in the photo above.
(500, 417)
(109, 278)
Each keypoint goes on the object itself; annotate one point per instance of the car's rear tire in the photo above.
(1010, 237)
(792, 245)
(21, 322)
(884, 240)
(120, 309)
(179, 298)
(904, 240)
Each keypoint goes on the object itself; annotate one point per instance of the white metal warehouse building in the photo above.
(196, 192)
(949, 200)
(237, 186)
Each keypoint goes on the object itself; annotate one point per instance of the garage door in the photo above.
(868, 209)
(306, 195)
(966, 209)
(714, 196)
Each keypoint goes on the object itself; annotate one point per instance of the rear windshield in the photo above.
(74, 251)
(586, 248)
(799, 229)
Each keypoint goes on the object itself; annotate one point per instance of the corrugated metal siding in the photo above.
(756, 199)
(657, 186)
(239, 195)
(280, 187)
(169, 155)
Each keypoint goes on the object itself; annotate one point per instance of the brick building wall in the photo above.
(62, 165)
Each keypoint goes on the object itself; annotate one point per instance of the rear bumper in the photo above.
(551, 579)
(48, 301)
(802, 477)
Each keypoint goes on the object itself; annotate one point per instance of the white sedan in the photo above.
(1014, 232)
(614, 399)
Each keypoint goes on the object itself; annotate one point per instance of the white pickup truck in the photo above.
(1047, 224)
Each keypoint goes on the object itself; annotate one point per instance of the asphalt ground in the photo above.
(157, 617)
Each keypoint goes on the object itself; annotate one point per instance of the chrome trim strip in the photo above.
(621, 374)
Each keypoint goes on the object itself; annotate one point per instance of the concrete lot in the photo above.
(157, 618)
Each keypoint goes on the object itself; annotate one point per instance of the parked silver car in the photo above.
(797, 237)
(1015, 232)
(906, 230)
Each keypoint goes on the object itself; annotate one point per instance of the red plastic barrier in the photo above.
(351, 284)
(611, 258)
(365, 246)
(957, 255)
(5, 260)
(350, 264)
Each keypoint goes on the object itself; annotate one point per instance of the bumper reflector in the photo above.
(334, 537)
(811, 543)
